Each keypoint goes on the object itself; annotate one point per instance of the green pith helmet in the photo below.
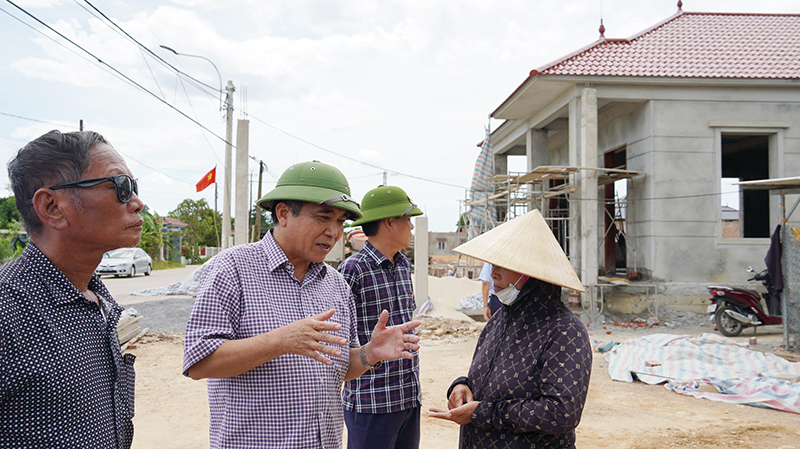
(313, 182)
(386, 202)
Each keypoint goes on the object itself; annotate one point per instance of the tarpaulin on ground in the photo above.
(187, 287)
(474, 301)
(709, 366)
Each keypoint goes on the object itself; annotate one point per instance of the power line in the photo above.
(195, 113)
(116, 28)
(59, 43)
(178, 71)
(34, 120)
(121, 152)
(159, 58)
(351, 158)
(215, 89)
(118, 72)
(143, 48)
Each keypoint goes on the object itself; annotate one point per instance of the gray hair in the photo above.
(294, 207)
(51, 159)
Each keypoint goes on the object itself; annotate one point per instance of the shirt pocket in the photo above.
(126, 385)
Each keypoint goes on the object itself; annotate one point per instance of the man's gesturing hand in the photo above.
(307, 337)
(389, 343)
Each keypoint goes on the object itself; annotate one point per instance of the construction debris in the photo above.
(446, 329)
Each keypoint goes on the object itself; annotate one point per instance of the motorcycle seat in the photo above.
(748, 291)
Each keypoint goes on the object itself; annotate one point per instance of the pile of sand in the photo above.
(446, 293)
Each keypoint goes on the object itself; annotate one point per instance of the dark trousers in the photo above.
(398, 430)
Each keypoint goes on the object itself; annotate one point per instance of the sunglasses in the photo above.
(124, 185)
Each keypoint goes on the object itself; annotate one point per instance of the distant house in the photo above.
(667, 114)
(730, 223)
(172, 225)
(175, 228)
(442, 243)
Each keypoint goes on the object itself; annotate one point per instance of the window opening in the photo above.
(744, 213)
(615, 245)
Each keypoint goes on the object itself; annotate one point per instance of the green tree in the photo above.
(152, 237)
(10, 244)
(266, 219)
(9, 215)
(201, 219)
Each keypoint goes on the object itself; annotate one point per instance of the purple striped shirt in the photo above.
(379, 283)
(291, 401)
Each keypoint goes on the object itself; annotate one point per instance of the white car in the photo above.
(125, 262)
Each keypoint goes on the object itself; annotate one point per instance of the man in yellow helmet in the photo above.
(270, 318)
(382, 407)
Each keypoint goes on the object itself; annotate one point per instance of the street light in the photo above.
(201, 57)
(226, 194)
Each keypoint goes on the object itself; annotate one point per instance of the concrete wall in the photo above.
(674, 221)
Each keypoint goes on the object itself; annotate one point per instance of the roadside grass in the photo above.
(166, 264)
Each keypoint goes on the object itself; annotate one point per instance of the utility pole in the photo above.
(241, 206)
(226, 195)
(257, 228)
(81, 125)
(384, 178)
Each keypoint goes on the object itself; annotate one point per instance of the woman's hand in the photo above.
(460, 395)
(459, 415)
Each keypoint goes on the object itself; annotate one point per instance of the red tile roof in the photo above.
(695, 45)
(173, 222)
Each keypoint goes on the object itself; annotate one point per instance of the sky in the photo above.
(377, 88)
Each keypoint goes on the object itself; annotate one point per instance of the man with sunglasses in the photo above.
(63, 380)
(273, 327)
(382, 407)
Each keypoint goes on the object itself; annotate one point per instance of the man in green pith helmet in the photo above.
(270, 318)
(382, 407)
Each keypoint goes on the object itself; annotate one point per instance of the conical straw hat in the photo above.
(525, 245)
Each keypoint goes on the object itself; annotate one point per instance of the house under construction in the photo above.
(630, 144)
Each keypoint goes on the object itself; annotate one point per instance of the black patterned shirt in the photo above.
(530, 372)
(63, 381)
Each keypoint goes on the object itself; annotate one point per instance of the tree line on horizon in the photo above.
(203, 228)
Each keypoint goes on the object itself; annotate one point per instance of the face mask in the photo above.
(509, 294)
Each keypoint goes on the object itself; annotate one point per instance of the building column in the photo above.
(500, 168)
(574, 228)
(588, 188)
(537, 153)
(420, 260)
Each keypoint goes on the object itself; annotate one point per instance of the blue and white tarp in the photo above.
(187, 287)
(691, 366)
(479, 214)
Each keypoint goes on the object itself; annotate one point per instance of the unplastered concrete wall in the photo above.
(674, 210)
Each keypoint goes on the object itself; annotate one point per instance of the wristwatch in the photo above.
(364, 359)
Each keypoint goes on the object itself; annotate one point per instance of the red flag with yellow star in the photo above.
(208, 179)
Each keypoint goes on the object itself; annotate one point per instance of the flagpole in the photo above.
(216, 232)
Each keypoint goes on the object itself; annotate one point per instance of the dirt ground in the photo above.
(172, 411)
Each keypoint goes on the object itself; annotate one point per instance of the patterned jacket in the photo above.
(530, 372)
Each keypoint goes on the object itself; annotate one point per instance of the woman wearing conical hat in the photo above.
(527, 383)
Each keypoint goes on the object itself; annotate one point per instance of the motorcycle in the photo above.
(732, 309)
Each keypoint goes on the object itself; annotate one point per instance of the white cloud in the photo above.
(403, 84)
